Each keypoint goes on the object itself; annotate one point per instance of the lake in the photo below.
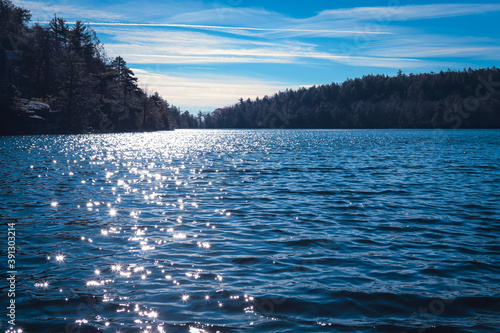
(254, 231)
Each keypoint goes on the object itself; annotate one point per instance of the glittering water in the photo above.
(254, 231)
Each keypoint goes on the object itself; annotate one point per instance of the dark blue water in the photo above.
(254, 231)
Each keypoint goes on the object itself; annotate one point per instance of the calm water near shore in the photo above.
(254, 231)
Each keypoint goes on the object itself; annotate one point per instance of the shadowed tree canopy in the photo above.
(125, 75)
(451, 99)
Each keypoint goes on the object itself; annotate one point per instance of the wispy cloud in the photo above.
(409, 12)
(232, 28)
(426, 46)
(189, 47)
(42, 11)
(150, 46)
(198, 92)
(263, 23)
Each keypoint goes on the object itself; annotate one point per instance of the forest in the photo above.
(451, 99)
(57, 78)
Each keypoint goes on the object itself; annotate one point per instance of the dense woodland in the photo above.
(66, 68)
(57, 78)
(451, 99)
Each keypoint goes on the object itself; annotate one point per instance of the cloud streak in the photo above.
(232, 28)
(43, 11)
(185, 47)
(436, 46)
(409, 12)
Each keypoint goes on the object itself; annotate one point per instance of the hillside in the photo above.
(451, 99)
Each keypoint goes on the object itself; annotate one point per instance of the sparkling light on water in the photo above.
(236, 230)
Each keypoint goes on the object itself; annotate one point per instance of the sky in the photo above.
(202, 55)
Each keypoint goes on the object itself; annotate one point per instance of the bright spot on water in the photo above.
(93, 283)
(196, 330)
(112, 212)
(54, 204)
(60, 257)
(204, 245)
(152, 314)
(97, 272)
(185, 297)
(180, 236)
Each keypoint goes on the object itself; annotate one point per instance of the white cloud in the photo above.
(408, 12)
(435, 46)
(149, 46)
(239, 29)
(198, 48)
(45, 11)
(146, 46)
(207, 92)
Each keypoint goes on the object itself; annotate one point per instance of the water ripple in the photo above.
(255, 231)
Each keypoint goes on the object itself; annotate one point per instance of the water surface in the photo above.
(255, 231)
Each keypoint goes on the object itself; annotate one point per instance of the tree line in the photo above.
(65, 67)
(451, 99)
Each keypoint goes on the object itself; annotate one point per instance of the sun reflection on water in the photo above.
(150, 217)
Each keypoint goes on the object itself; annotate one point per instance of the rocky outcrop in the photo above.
(32, 117)
(35, 107)
(22, 116)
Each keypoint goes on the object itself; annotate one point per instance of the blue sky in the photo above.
(200, 55)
